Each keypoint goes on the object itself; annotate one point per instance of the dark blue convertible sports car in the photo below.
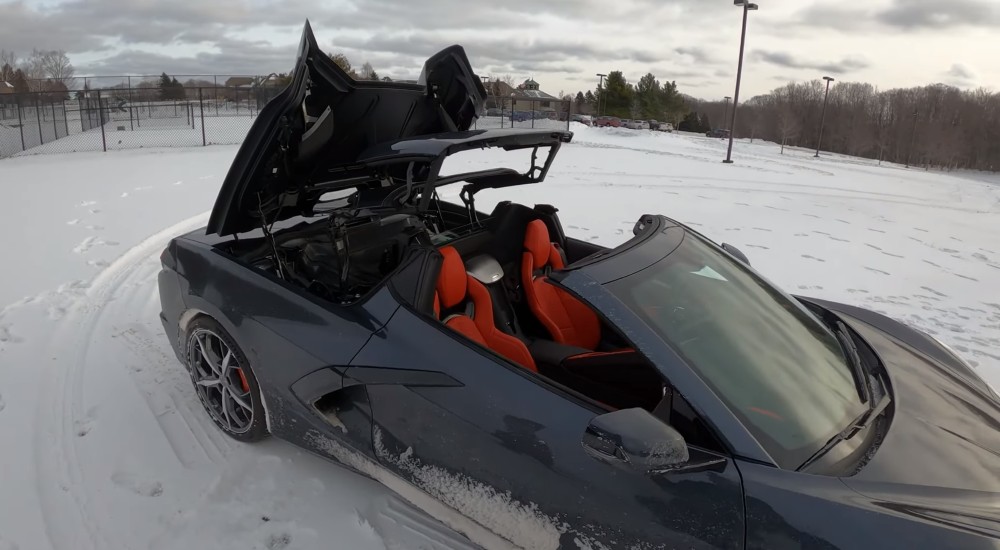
(533, 390)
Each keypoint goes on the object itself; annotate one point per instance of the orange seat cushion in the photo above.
(567, 319)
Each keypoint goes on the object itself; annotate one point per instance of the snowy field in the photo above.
(106, 446)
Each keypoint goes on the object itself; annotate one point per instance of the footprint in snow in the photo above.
(140, 487)
(87, 203)
(808, 257)
(278, 541)
(124, 194)
(73, 222)
(843, 221)
(915, 239)
(143, 188)
(967, 277)
(801, 234)
(95, 210)
(948, 250)
(873, 270)
(979, 256)
(9, 337)
(857, 291)
(832, 238)
(97, 263)
(812, 216)
(934, 292)
(931, 263)
(2, 404)
(95, 227)
(873, 246)
(876, 230)
(83, 426)
(764, 229)
(758, 246)
(922, 229)
(893, 255)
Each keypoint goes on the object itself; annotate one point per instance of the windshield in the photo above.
(774, 364)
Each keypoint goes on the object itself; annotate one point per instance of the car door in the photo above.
(505, 449)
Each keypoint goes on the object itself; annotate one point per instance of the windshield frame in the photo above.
(656, 237)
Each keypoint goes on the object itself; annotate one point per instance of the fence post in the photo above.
(55, 129)
(201, 105)
(66, 117)
(131, 124)
(100, 116)
(569, 114)
(20, 122)
(38, 121)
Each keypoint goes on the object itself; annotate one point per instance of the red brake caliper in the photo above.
(243, 380)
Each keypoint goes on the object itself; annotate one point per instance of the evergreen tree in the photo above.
(20, 82)
(580, 102)
(176, 89)
(648, 97)
(165, 91)
(616, 96)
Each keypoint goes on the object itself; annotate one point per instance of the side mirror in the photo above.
(636, 440)
(736, 253)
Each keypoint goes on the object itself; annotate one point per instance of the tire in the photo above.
(224, 381)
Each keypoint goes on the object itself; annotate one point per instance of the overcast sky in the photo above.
(560, 43)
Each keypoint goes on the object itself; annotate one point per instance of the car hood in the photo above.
(941, 453)
(313, 132)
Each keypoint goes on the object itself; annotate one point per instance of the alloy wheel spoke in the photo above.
(209, 382)
(204, 354)
(225, 408)
(239, 400)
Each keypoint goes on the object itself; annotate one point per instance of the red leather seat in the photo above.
(455, 291)
(568, 320)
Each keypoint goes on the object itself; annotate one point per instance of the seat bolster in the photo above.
(504, 344)
(467, 327)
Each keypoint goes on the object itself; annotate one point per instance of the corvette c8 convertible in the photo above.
(534, 390)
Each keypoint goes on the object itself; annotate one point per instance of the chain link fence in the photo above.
(126, 118)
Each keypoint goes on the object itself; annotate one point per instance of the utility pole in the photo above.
(747, 8)
(823, 119)
(600, 90)
(726, 120)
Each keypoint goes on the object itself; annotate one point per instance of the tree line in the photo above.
(933, 126)
(48, 71)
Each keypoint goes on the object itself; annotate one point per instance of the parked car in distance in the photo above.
(654, 124)
(664, 127)
(718, 133)
(586, 120)
(494, 112)
(608, 121)
(640, 125)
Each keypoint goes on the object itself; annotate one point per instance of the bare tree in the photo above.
(367, 72)
(57, 67)
(788, 125)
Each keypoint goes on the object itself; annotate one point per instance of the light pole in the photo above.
(747, 8)
(822, 121)
(726, 119)
(600, 88)
(913, 139)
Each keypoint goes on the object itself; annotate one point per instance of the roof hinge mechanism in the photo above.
(469, 199)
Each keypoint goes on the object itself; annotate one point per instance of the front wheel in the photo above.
(224, 381)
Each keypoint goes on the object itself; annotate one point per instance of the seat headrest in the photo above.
(452, 282)
(536, 241)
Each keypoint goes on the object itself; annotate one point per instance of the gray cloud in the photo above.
(960, 76)
(938, 14)
(783, 59)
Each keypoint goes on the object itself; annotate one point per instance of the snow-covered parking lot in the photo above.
(106, 447)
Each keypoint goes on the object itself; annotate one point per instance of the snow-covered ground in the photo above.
(105, 445)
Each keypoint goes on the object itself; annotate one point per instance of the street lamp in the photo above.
(600, 87)
(726, 119)
(822, 121)
(747, 8)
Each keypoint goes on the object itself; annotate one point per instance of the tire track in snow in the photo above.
(60, 418)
